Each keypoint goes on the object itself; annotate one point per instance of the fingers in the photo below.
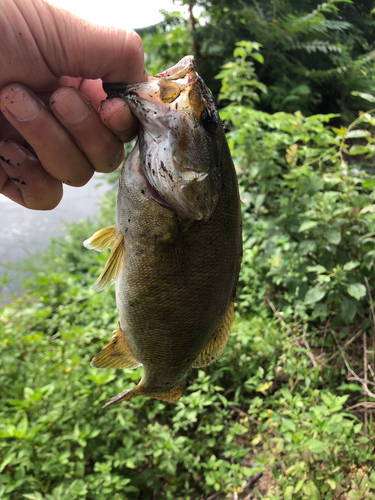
(100, 146)
(57, 152)
(114, 113)
(69, 160)
(117, 116)
(24, 180)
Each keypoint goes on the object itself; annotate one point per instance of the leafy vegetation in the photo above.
(317, 55)
(309, 205)
(287, 412)
(236, 417)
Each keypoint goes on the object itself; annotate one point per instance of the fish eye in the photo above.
(209, 121)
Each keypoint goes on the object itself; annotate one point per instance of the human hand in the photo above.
(50, 130)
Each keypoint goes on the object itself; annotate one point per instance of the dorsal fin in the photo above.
(216, 345)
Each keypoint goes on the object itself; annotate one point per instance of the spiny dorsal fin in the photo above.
(113, 265)
(216, 345)
(102, 239)
(116, 354)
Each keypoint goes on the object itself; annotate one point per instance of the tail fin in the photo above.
(171, 396)
(125, 396)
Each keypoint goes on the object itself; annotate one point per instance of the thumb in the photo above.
(71, 46)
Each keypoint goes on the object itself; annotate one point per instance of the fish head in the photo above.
(180, 139)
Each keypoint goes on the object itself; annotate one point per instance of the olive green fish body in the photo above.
(176, 244)
(178, 277)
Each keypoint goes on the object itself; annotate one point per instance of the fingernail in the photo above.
(19, 103)
(12, 153)
(119, 158)
(121, 119)
(115, 112)
(71, 106)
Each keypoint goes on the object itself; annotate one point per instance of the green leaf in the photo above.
(363, 95)
(357, 290)
(369, 183)
(258, 57)
(316, 269)
(320, 310)
(257, 439)
(288, 424)
(307, 224)
(358, 149)
(259, 201)
(33, 496)
(348, 310)
(369, 258)
(288, 492)
(351, 265)
(331, 483)
(314, 295)
(21, 428)
(333, 236)
(316, 446)
(7, 460)
(311, 491)
(354, 134)
(306, 246)
(299, 485)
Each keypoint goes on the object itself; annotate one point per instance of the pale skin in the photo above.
(54, 127)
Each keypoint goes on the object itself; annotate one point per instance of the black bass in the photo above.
(176, 246)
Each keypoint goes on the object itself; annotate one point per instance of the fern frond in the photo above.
(317, 46)
(314, 21)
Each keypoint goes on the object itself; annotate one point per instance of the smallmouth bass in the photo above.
(176, 245)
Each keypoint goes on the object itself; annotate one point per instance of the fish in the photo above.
(176, 245)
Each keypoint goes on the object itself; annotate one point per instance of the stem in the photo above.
(373, 325)
(193, 24)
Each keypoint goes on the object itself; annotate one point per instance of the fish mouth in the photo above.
(169, 109)
(178, 71)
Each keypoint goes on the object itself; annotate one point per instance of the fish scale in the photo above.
(176, 244)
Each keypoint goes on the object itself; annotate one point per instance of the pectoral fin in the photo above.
(102, 239)
(116, 354)
(216, 345)
(113, 265)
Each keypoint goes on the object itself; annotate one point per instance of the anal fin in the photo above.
(102, 239)
(116, 354)
(216, 345)
(171, 396)
(113, 265)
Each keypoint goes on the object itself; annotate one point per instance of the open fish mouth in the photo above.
(177, 71)
(175, 149)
